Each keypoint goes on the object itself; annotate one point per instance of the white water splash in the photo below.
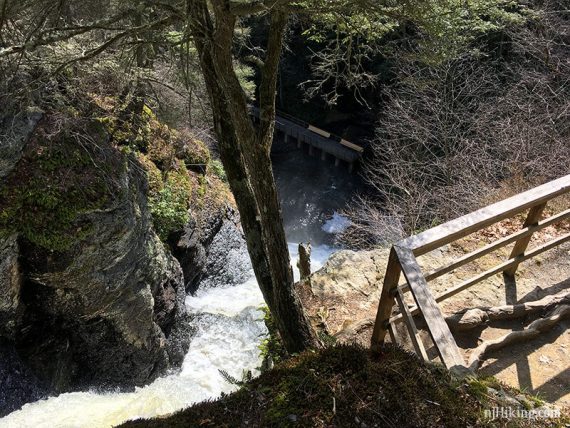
(229, 330)
(336, 224)
(227, 338)
(228, 301)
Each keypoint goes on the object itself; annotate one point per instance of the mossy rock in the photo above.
(169, 196)
(177, 165)
(61, 176)
(195, 153)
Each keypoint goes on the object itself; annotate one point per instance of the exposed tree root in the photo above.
(350, 333)
(475, 317)
(533, 330)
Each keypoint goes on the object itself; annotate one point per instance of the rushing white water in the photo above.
(336, 224)
(229, 329)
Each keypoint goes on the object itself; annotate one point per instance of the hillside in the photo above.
(346, 386)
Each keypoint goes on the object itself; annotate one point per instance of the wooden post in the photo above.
(411, 325)
(532, 219)
(391, 279)
(336, 162)
(304, 262)
(394, 336)
(351, 167)
(323, 155)
(437, 327)
(311, 149)
(285, 137)
(299, 142)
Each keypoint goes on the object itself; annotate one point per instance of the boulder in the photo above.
(91, 295)
(212, 250)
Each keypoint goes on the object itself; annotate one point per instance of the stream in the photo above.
(229, 324)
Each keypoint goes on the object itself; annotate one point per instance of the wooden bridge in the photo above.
(317, 139)
(403, 260)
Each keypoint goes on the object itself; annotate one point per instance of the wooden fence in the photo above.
(403, 260)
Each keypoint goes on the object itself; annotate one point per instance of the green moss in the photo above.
(194, 152)
(169, 196)
(203, 186)
(56, 181)
(478, 389)
(217, 169)
(271, 347)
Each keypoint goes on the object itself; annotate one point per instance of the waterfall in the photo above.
(229, 325)
(229, 330)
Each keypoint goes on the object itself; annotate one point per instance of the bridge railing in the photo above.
(403, 255)
(325, 134)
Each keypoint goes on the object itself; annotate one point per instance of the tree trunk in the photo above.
(245, 156)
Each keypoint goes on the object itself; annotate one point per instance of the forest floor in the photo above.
(344, 294)
(347, 386)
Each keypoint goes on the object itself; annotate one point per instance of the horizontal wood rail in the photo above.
(403, 260)
(282, 117)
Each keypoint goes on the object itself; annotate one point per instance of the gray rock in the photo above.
(14, 133)
(227, 261)
(108, 311)
(213, 252)
(10, 287)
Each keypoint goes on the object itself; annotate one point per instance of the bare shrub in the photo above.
(460, 135)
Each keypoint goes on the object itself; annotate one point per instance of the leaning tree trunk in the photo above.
(245, 155)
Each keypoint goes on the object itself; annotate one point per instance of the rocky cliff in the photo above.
(90, 293)
(212, 249)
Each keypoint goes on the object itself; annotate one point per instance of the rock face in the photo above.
(90, 295)
(10, 287)
(213, 251)
(342, 297)
(18, 384)
(13, 141)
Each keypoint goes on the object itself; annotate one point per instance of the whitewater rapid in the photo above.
(229, 330)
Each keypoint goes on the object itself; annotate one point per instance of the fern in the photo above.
(247, 376)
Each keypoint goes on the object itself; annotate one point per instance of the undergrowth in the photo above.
(347, 386)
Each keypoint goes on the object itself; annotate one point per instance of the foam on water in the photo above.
(336, 224)
(229, 329)
(228, 301)
(226, 339)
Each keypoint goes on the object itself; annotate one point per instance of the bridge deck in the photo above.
(308, 134)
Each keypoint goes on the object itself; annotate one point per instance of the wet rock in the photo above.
(213, 251)
(18, 385)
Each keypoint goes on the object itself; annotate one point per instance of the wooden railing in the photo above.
(325, 134)
(403, 260)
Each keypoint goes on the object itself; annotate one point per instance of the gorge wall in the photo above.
(90, 292)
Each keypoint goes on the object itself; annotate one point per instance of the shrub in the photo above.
(218, 170)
